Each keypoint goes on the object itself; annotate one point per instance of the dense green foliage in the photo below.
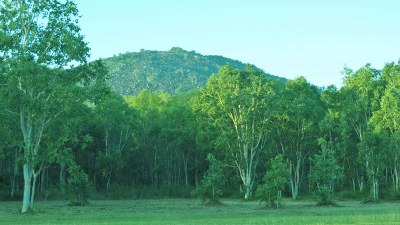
(38, 40)
(324, 173)
(239, 105)
(77, 186)
(210, 188)
(174, 71)
(274, 180)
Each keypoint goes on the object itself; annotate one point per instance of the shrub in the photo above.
(274, 181)
(323, 174)
(210, 188)
(77, 186)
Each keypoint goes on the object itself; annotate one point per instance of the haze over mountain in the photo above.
(172, 71)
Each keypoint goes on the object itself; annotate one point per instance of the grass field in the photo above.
(183, 211)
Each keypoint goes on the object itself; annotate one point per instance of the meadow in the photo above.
(188, 211)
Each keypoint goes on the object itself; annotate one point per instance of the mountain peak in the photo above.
(173, 71)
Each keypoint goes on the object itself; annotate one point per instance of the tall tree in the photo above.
(149, 106)
(179, 128)
(359, 99)
(114, 121)
(238, 103)
(336, 133)
(37, 37)
(373, 153)
(301, 109)
(386, 120)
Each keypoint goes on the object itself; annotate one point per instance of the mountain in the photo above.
(172, 71)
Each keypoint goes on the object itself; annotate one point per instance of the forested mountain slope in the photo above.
(172, 71)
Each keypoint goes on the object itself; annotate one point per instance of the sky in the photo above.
(289, 38)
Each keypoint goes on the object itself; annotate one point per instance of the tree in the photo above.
(10, 148)
(238, 104)
(359, 99)
(179, 129)
(38, 38)
(297, 127)
(275, 181)
(205, 136)
(373, 152)
(210, 188)
(166, 139)
(77, 186)
(114, 120)
(337, 134)
(324, 172)
(148, 106)
(387, 118)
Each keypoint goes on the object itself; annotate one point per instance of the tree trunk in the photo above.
(246, 173)
(248, 191)
(375, 189)
(42, 180)
(62, 175)
(249, 180)
(35, 175)
(185, 168)
(396, 179)
(26, 202)
(12, 191)
(155, 178)
(360, 183)
(32, 135)
(109, 181)
(294, 177)
(14, 179)
(196, 173)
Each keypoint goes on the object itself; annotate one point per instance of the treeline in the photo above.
(158, 141)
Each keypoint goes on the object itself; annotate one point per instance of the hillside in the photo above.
(172, 71)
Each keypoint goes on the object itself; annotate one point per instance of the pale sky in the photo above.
(288, 38)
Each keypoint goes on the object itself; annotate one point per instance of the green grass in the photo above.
(184, 211)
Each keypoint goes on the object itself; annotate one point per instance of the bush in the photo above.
(77, 187)
(323, 174)
(210, 188)
(274, 181)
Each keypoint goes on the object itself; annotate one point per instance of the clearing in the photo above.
(188, 211)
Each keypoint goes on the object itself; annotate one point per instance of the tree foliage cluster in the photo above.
(324, 173)
(210, 188)
(274, 181)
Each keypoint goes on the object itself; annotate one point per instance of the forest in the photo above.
(66, 134)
